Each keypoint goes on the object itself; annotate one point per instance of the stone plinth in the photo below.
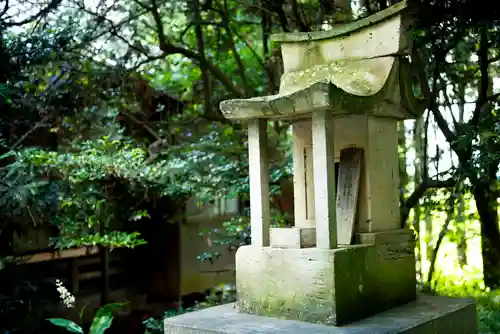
(325, 286)
(427, 315)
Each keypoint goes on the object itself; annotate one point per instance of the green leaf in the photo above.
(8, 154)
(83, 310)
(100, 324)
(108, 309)
(69, 325)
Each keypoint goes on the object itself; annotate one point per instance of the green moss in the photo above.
(305, 308)
(356, 77)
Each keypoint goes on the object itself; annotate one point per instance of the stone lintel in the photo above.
(293, 237)
(399, 236)
(428, 314)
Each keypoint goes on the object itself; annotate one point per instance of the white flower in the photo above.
(66, 297)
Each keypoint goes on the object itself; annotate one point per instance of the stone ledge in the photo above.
(292, 237)
(436, 315)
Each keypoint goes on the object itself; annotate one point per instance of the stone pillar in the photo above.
(324, 180)
(260, 216)
(303, 174)
(303, 234)
(381, 176)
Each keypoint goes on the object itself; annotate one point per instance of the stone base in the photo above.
(331, 287)
(428, 315)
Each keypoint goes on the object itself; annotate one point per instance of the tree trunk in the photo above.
(461, 228)
(439, 241)
(403, 175)
(428, 223)
(417, 178)
(460, 222)
(490, 234)
(485, 190)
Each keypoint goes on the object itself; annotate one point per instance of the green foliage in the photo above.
(154, 325)
(221, 294)
(101, 322)
(83, 188)
(234, 233)
(488, 301)
(69, 325)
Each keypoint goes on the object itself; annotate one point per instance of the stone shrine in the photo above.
(346, 266)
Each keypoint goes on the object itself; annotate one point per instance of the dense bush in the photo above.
(472, 286)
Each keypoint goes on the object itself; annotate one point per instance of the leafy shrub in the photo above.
(221, 294)
(101, 322)
(472, 285)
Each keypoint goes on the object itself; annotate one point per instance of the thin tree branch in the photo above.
(494, 59)
(159, 25)
(438, 116)
(113, 28)
(425, 163)
(239, 62)
(255, 54)
(432, 95)
(442, 234)
(448, 105)
(5, 8)
(414, 198)
(170, 49)
(50, 7)
(200, 42)
(297, 17)
(482, 54)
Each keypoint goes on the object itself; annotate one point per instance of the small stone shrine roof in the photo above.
(357, 68)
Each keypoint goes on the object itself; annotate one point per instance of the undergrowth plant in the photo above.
(102, 319)
(101, 322)
(472, 285)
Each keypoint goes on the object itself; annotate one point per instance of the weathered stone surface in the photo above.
(293, 237)
(303, 174)
(349, 177)
(396, 273)
(427, 315)
(321, 286)
(364, 77)
(384, 33)
(379, 87)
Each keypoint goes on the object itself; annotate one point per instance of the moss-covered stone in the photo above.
(322, 286)
(375, 87)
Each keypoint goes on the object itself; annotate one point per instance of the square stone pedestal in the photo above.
(327, 286)
(427, 315)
